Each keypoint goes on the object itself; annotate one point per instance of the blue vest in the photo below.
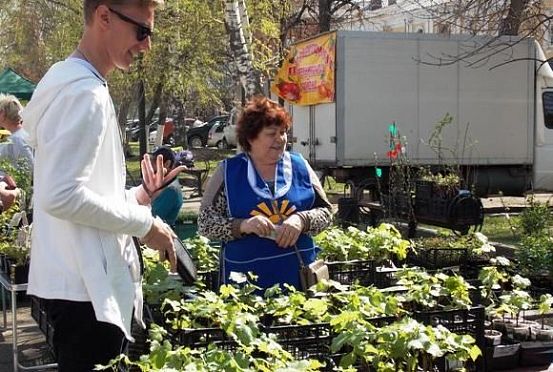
(249, 195)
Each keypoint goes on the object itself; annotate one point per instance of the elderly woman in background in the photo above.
(17, 147)
(265, 203)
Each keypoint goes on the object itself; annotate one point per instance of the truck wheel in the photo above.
(222, 144)
(195, 141)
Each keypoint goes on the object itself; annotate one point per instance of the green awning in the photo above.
(13, 83)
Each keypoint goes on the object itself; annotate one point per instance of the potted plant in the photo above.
(514, 302)
(544, 333)
(539, 351)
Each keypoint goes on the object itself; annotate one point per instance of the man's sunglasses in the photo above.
(142, 32)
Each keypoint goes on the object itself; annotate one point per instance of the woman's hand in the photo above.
(154, 181)
(258, 225)
(289, 231)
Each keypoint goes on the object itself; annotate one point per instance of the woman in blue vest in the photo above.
(265, 202)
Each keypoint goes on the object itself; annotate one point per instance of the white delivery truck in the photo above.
(502, 108)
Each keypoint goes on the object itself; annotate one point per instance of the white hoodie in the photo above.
(83, 217)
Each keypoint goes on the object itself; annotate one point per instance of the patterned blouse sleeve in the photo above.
(320, 216)
(214, 221)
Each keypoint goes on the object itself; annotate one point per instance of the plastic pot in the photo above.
(539, 334)
(492, 337)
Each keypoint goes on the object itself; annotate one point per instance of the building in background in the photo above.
(452, 17)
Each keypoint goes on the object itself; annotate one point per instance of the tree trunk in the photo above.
(511, 24)
(239, 46)
(142, 136)
(122, 118)
(324, 15)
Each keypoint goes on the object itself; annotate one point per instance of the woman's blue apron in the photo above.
(248, 195)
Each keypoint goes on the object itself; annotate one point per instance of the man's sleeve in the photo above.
(71, 147)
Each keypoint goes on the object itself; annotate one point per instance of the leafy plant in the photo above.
(376, 243)
(157, 283)
(203, 253)
(295, 308)
(492, 279)
(429, 291)
(262, 354)
(446, 183)
(405, 345)
(515, 301)
(536, 218)
(535, 255)
(21, 174)
(544, 306)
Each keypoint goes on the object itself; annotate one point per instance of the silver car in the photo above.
(216, 136)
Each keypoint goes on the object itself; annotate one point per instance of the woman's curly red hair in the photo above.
(260, 112)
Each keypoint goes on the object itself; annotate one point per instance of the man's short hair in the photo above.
(90, 6)
(11, 107)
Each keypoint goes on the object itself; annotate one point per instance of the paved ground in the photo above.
(33, 349)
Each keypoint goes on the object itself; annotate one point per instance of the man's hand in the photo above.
(153, 181)
(160, 237)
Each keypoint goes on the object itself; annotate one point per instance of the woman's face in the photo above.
(269, 144)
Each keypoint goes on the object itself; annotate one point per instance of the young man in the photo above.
(83, 260)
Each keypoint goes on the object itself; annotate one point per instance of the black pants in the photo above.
(80, 341)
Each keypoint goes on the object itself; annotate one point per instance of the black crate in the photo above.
(438, 258)
(385, 277)
(536, 353)
(432, 208)
(140, 345)
(35, 308)
(210, 279)
(17, 274)
(423, 189)
(460, 321)
(502, 357)
(39, 313)
(310, 341)
(349, 272)
(398, 205)
(50, 335)
(201, 338)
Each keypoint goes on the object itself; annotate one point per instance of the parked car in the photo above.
(133, 131)
(197, 137)
(216, 136)
(168, 133)
(229, 131)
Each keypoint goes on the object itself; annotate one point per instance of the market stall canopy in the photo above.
(13, 83)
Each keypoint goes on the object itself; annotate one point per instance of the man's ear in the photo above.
(102, 16)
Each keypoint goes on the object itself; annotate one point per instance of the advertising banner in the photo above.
(307, 73)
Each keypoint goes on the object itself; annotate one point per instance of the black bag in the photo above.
(185, 266)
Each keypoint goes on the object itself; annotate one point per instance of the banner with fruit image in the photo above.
(307, 73)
